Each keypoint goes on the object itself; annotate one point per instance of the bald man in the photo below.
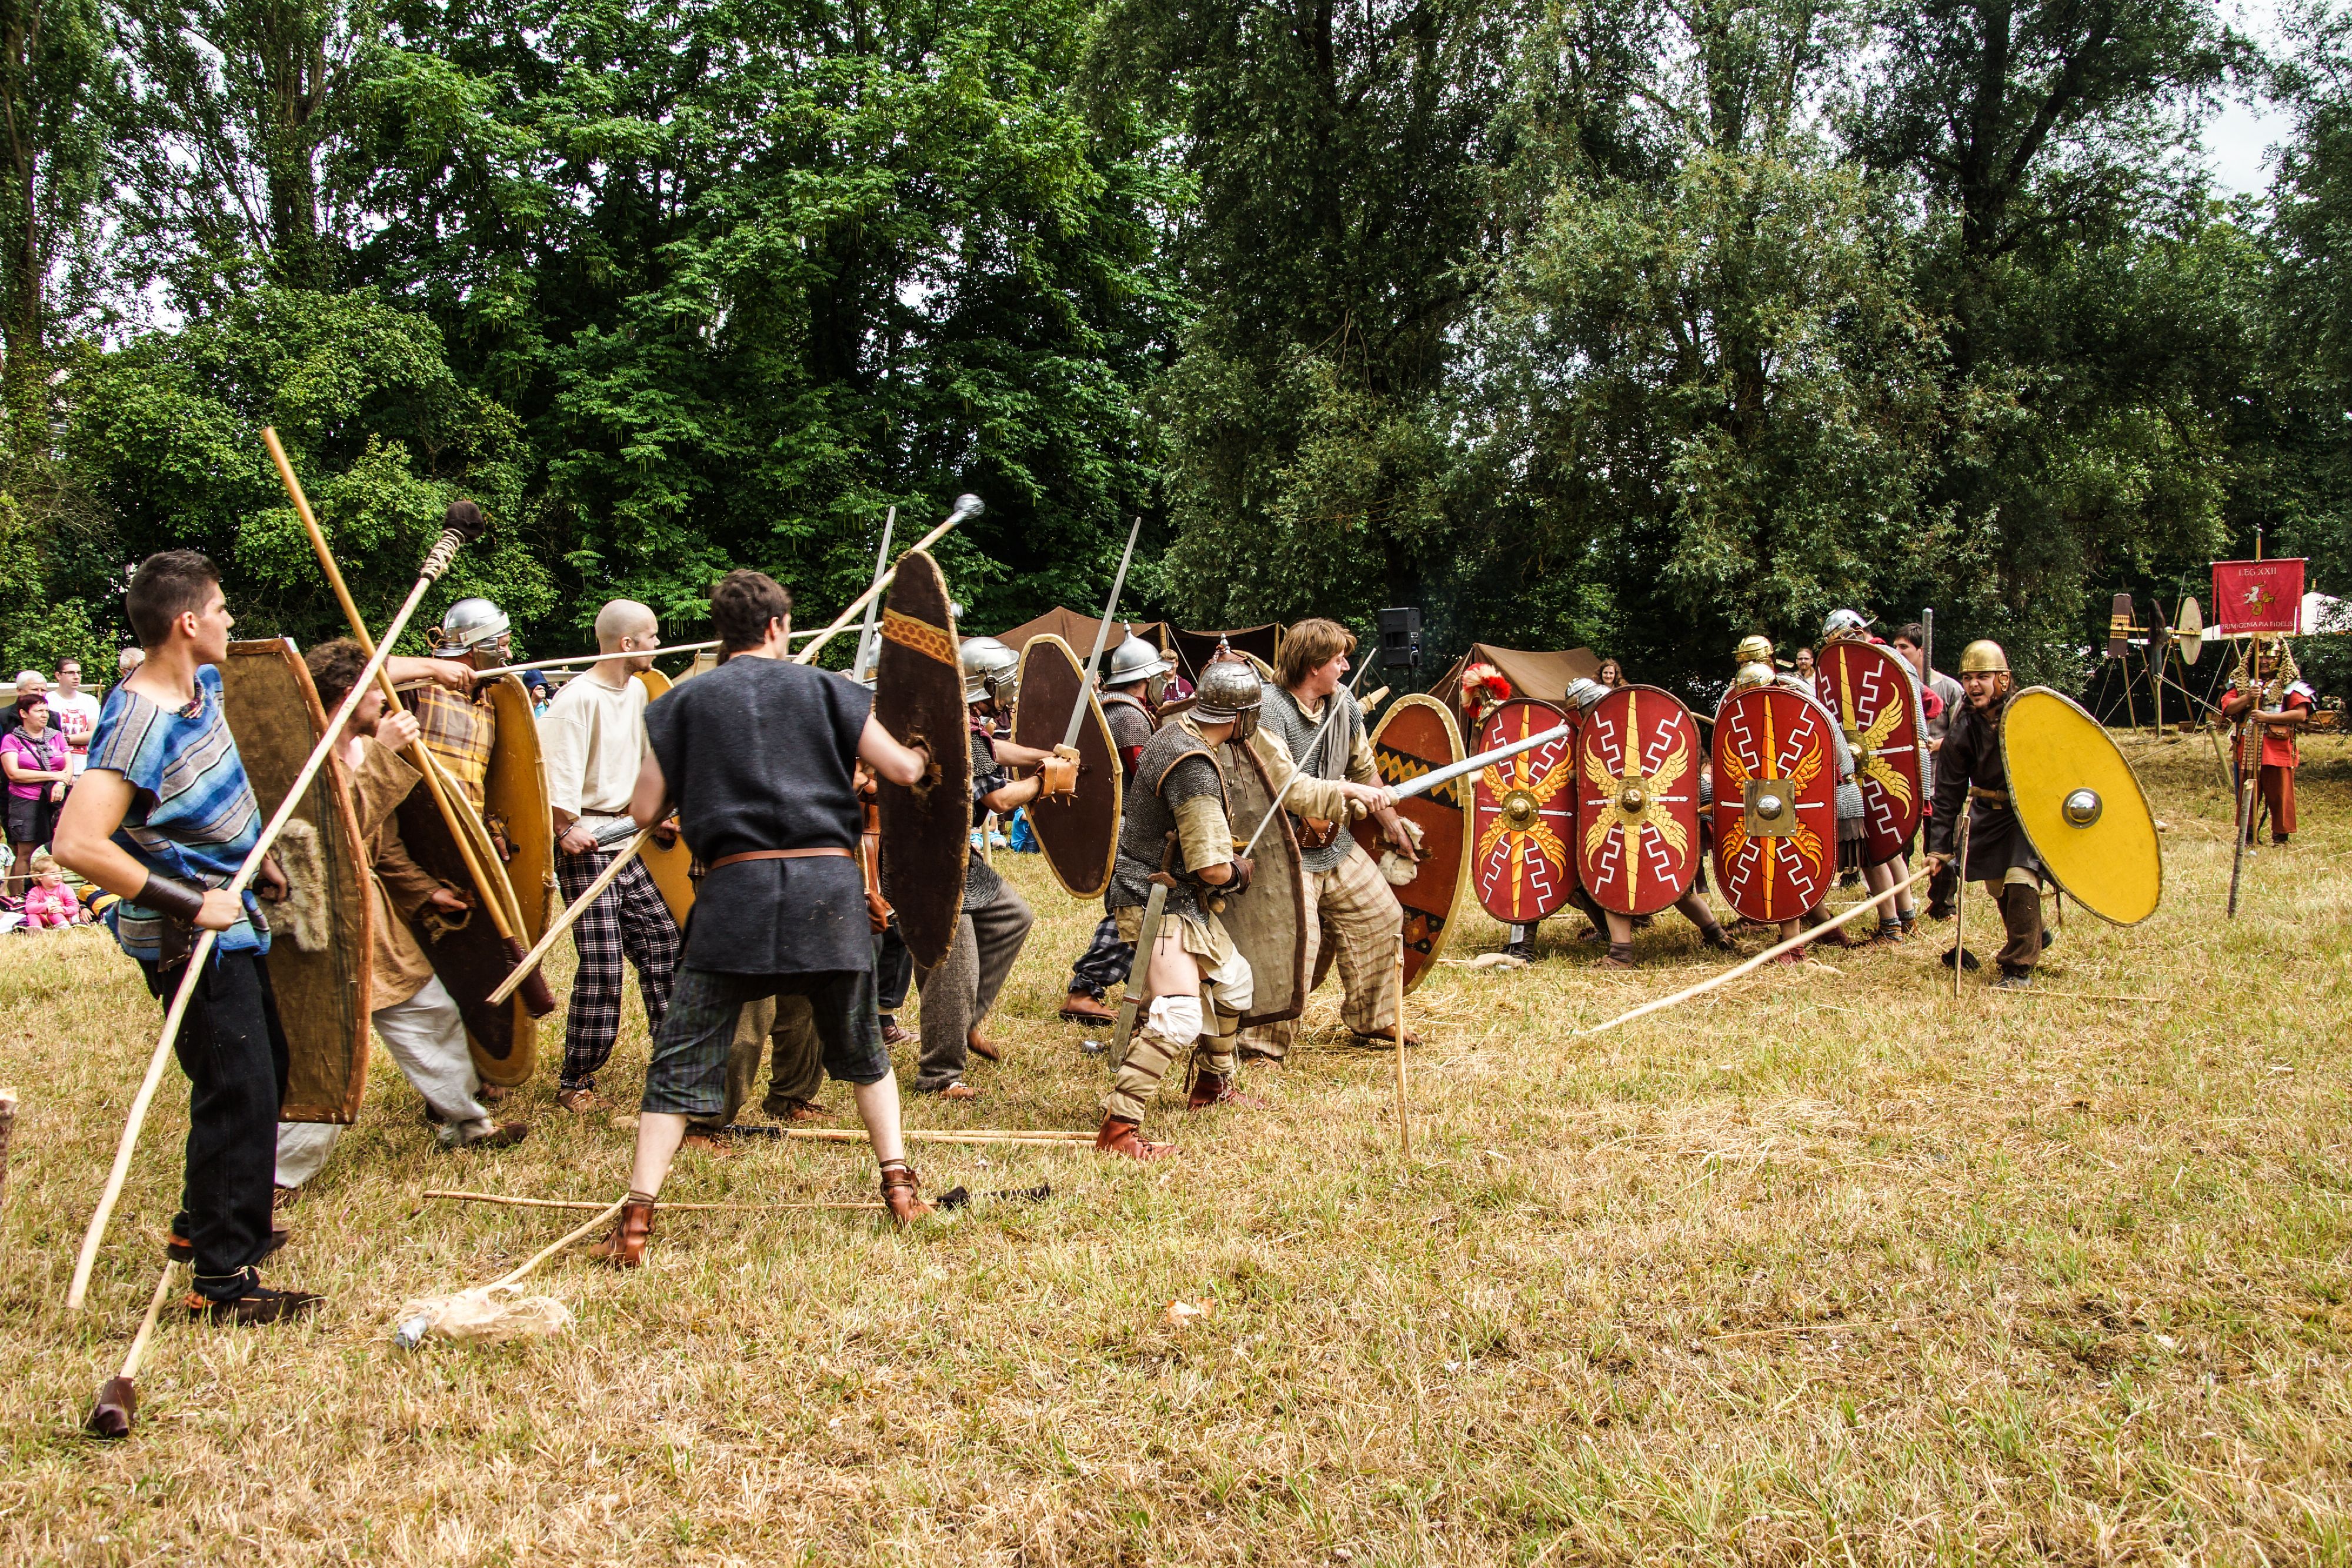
(592, 737)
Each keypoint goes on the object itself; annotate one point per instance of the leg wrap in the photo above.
(1171, 1025)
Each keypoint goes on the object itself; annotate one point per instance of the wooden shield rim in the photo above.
(515, 754)
(953, 762)
(1584, 731)
(332, 785)
(1304, 982)
(1101, 726)
(1568, 872)
(1876, 848)
(671, 868)
(1826, 787)
(2148, 809)
(1419, 965)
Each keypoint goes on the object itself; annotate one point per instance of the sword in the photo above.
(1452, 770)
(1102, 635)
(1146, 938)
(866, 635)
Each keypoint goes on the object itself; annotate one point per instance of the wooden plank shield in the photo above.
(671, 868)
(1523, 814)
(1415, 736)
(918, 697)
(470, 958)
(1080, 833)
(1268, 923)
(1775, 803)
(1637, 841)
(515, 806)
(322, 937)
(1869, 690)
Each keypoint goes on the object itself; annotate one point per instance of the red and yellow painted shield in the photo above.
(1637, 756)
(1523, 816)
(1868, 689)
(1775, 803)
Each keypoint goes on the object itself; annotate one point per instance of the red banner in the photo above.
(2258, 595)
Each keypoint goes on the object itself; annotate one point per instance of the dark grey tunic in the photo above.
(1971, 756)
(980, 881)
(758, 755)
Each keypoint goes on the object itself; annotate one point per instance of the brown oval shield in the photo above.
(1775, 803)
(322, 937)
(1268, 923)
(1637, 759)
(1078, 833)
(1415, 736)
(1869, 690)
(918, 698)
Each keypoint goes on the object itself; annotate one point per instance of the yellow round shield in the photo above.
(2082, 807)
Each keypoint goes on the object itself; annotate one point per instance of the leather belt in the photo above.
(827, 851)
(1990, 797)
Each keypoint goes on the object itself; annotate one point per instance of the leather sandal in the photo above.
(899, 1187)
(257, 1308)
(708, 1143)
(1119, 1136)
(1384, 1041)
(958, 1091)
(626, 1247)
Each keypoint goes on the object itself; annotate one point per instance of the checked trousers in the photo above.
(627, 920)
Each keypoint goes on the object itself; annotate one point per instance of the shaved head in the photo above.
(624, 619)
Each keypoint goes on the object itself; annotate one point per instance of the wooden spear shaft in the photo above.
(1404, 1123)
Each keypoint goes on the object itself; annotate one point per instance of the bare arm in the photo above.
(1015, 795)
(1014, 755)
(84, 844)
(888, 759)
(649, 803)
(405, 670)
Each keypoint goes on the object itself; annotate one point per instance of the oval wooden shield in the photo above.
(515, 807)
(471, 959)
(1775, 803)
(1268, 923)
(1637, 760)
(1523, 813)
(1417, 736)
(322, 938)
(2082, 806)
(1080, 833)
(918, 697)
(671, 868)
(1869, 690)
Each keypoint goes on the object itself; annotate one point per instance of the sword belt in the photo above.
(1989, 796)
(822, 852)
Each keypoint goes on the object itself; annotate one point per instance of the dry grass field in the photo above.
(1824, 1268)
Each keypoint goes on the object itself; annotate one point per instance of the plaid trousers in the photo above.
(1352, 918)
(628, 919)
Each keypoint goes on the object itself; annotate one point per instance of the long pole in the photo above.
(1404, 1122)
(966, 507)
(1960, 898)
(1728, 975)
(1102, 635)
(118, 1400)
(868, 649)
(435, 562)
(436, 782)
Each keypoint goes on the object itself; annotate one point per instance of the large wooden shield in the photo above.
(670, 869)
(1637, 842)
(1414, 737)
(1080, 833)
(2082, 806)
(918, 697)
(515, 807)
(1775, 803)
(1869, 690)
(471, 959)
(1268, 923)
(1523, 813)
(322, 937)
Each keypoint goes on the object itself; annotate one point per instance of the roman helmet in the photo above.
(1753, 672)
(467, 625)
(991, 671)
(1753, 649)
(1135, 659)
(1229, 692)
(1583, 693)
(1984, 656)
(1844, 623)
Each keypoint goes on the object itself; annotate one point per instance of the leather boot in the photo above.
(1119, 1137)
(626, 1247)
(899, 1185)
(1208, 1089)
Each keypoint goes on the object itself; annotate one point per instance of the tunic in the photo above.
(1971, 759)
(1130, 727)
(1346, 751)
(758, 755)
(980, 881)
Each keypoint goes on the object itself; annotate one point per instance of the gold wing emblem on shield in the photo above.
(1521, 802)
(1875, 767)
(1671, 768)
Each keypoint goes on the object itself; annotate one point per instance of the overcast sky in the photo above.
(2239, 139)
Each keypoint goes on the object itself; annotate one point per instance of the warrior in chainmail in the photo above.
(1973, 775)
(1178, 832)
(1132, 687)
(1354, 917)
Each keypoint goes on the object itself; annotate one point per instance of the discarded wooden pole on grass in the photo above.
(1768, 955)
(7, 1131)
(118, 1400)
(1404, 1124)
(505, 1201)
(1007, 1139)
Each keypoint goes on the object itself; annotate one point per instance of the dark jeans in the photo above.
(894, 970)
(234, 1053)
(1106, 962)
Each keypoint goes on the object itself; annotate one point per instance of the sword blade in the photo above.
(866, 635)
(1102, 635)
(1452, 770)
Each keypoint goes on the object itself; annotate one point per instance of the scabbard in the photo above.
(1147, 936)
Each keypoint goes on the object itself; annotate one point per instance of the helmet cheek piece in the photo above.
(1244, 724)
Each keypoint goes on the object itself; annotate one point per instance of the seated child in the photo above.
(49, 902)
